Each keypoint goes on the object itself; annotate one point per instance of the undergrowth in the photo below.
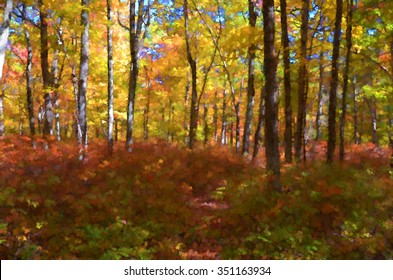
(147, 205)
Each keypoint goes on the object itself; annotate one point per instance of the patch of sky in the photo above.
(371, 31)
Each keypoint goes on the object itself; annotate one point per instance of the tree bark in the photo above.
(110, 76)
(299, 135)
(29, 91)
(271, 97)
(146, 111)
(136, 40)
(372, 106)
(206, 128)
(83, 75)
(346, 77)
(334, 83)
(320, 98)
(224, 122)
(194, 94)
(56, 85)
(260, 125)
(46, 74)
(215, 117)
(4, 33)
(287, 82)
(186, 113)
(356, 135)
(250, 83)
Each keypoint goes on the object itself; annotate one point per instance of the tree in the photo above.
(194, 78)
(4, 32)
(334, 83)
(250, 82)
(83, 75)
(110, 76)
(29, 90)
(287, 82)
(271, 102)
(139, 18)
(47, 76)
(301, 113)
(346, 76)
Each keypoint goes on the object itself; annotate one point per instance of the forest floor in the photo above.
(166, 202)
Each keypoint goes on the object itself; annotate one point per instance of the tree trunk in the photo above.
(4, 32)
(110, 76)
(261, 122)
(301, 114)
(237, 126)
(46, 75)
(271, 97)
(250, 83)
(372, 106)
(224, 122)
(205, 121)
(83, 75)
(320, 99)
(194, 94)
(346, 77)
(135, 31)
(2, 95)
(287, 82)
(334, 83)
(56, 85)
(231, 134)
(186, 113)
(146, 112)
(29, 91)
(215, 117)
(355, 113)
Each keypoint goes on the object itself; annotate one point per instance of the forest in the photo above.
(196, 129)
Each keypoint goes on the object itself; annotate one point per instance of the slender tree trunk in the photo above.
(110, 76)
(56, 85)
(29, 91)
(355, 112)
(40, 118)
(271, 97)
(250, 83)
(372, 106)
(116, 130)
(231, 134)
(205, 121)
(334, 83)
(2, 95)
(287, 82)
(215, 117)
(137, 20)
(302, 80)
(237, 126)
(134, 71)
(146, 113)
(260, 125)
(4, 32)
(320, 98)
(194, 94)
(346, 78)
(186, 113)
(46, 74)
(83, 75)
(224, 122)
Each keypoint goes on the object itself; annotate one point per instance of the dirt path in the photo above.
(203, 241)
